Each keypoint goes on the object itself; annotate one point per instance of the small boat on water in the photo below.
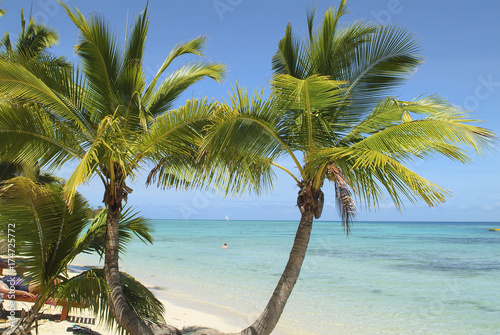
(494, 229)
(226, 218)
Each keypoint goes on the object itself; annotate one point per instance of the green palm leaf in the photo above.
(288, 57)
(46, 230)
(33, 39)
(309, 102)
(444, 135)
(389, 59)
(130, 225)
(89, 289)
(176, 83)
(29, 137)
(369, 171)
(192, 47)
(21, 83)
(100, 57)
(134, 49)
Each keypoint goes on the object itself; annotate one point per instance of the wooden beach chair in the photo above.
(21, 298)
(53, 317)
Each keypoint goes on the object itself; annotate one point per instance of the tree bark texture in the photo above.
(310, 203)
(120, 308)
(125, 316)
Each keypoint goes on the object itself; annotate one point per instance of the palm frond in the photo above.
(194, 46)
(66, 82)
(20, 84)
(335, 58)
(243, 140)
(176, 132)
(131, 80)
(89, 163)
(130, 225)
(323, 41)
(245, 175)
(89, 289)
(391, 111)
(367, 171)
(172, 144)
(389, 59)
(315, 92)
(36, 37)
(288, 59)
(6, 43)
(444, 135)
(100, 57)
(176, 83)
(134, 49)
(309, 103)
(31, 137)
(46, 230)
(253, 119)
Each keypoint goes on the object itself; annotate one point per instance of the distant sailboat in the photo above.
(226, 218)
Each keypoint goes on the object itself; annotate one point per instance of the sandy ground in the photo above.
(181, 312)
(185, 319)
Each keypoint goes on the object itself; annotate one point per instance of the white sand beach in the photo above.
(181, 312)
(184, 318)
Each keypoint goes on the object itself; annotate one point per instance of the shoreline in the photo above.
(208, 315)
(198, 312)
(185, 311)
(182, 311)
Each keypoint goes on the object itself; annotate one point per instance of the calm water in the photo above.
(385, 278)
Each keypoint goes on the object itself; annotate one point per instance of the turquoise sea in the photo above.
(384, 278)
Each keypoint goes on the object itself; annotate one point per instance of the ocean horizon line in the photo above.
(319, 220)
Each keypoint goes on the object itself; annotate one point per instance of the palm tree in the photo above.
(49, 236)
(108, 119)
(31, 45)
(329, 113)
(34, 39)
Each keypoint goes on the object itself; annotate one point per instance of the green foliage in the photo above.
(104, 115)
(45, 230)
(329, 107)
(34, 38)
(89, 289)
(93, 240)
(49, 236)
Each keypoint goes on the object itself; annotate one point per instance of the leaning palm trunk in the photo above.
(124, 315)
(310, 203)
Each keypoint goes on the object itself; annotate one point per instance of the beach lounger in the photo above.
(57, 317)
(53, 317)
(19, 298)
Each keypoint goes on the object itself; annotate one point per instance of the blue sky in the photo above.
(461, 41)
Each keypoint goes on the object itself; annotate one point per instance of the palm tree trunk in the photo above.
(120, 308)
(268, 320)
(25, 324)
(309, 204)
